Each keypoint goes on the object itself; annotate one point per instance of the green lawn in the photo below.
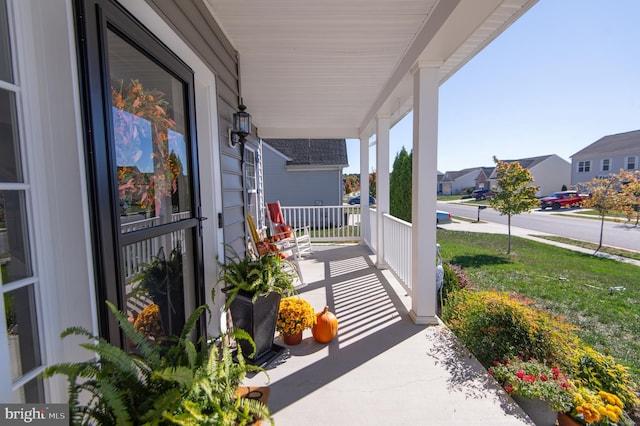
(567, 283)
(592, 246)
(449, 197)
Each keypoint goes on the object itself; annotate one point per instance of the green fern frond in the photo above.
(78, 331)
(112, 397)
(184, 376)
(122, 362)
(164, 403)
(146, 349)
(190, 324)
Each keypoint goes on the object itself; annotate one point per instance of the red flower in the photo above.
(508, 388)
(520, 374)
(544, 378)
(490, 372)
(530, 378)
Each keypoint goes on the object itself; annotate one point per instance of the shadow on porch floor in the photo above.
(381, 369)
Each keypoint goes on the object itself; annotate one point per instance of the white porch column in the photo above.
(424, 182)
(365, 222)
(382, 183)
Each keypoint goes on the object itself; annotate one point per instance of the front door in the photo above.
(143, 172)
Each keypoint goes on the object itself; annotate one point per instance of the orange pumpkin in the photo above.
(326, 326)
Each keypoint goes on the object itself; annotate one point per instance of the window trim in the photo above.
(584, 166)
(635, 162)
(602, 162)
(16, 15)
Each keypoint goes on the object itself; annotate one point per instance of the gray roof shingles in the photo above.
(618, 144)
(312, 152)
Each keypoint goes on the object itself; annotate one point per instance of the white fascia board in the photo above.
(312, 168)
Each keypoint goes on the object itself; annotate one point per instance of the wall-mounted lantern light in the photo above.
(241, 126)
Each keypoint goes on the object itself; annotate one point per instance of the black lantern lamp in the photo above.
(241, 126)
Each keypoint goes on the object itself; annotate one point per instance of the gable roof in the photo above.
(621, 143)
(453, 175)
(487, 170)
(312, 152)
(528, 163)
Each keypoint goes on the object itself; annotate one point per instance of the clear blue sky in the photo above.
(563, 76)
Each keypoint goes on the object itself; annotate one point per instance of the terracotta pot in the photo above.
(566, 420)
(292, 339)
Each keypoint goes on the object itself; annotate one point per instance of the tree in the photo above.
(629, 199)
(400, 186)
(372, 184)
(351, 182)
(604, 198)
(516, 194)
(348, 187)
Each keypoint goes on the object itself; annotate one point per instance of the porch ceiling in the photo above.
(324, 69)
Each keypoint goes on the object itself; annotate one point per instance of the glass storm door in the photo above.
(144, 174)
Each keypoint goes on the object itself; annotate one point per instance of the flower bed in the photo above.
(534, 380)
(594, 388)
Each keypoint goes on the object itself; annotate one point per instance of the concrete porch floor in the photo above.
(381, 369)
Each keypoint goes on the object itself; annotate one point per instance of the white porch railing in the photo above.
(373, 220)
(343, 223)
(397, 248)
(326, 223)
(137, 255)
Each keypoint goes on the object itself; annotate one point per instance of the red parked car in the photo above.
(562, 199)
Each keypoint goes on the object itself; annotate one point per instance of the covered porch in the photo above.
(382, 368)
(353, 70)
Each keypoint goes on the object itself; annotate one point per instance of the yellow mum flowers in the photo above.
(295, 315)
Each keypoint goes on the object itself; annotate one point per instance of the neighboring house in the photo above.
(304, 172)
(454, 183)
(550, 173)
(439, 180)
(483, 180)
(605, 156)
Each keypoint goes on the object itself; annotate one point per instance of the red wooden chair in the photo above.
(299, 238)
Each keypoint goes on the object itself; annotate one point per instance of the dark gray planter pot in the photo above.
(259, 320)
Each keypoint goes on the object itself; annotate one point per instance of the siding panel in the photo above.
(192, 21)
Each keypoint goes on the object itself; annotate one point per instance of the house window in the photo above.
(251, 183)
(21, 341)
(584, 166)
(606, 165)
(631, 163)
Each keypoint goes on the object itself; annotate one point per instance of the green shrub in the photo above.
(450, 282)
(601, 372)
(495, 326)
(455, 278)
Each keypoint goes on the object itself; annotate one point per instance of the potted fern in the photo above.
(253, 286)
(183, 383)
